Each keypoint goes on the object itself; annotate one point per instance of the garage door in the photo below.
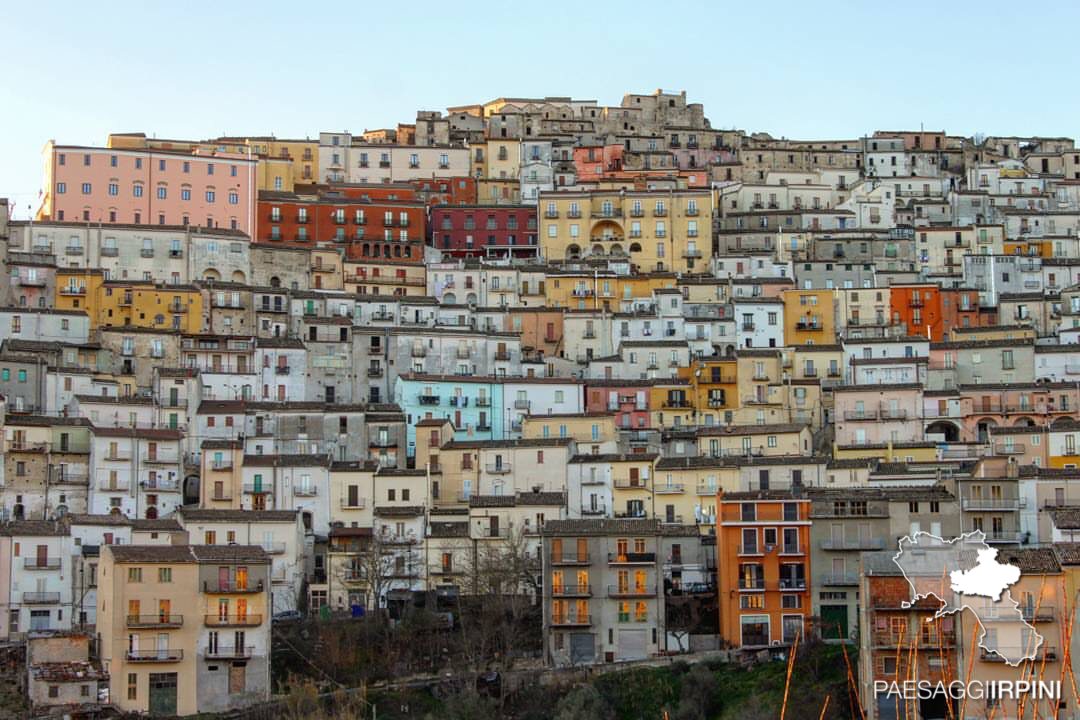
(631, 645)
(582, 648)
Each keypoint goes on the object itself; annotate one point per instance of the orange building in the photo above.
(763, 566)
(960, 309)
(918, 308)
(541, 329)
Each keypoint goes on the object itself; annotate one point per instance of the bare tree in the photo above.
(500, 580)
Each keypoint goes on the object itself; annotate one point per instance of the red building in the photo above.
(918, 308)
(960, 309)
(484, 230)
(628, 399)
(365, 220)
(446, 191)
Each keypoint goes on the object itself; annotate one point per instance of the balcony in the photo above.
(747, 325)
(751, 583)
(358, 504)
(564, 591)
(498, 468)
(258, 488)
(571, 620)
(483, 402)
(631, 483)
(177, 308)
(570, 558)
(521, 404)
(160, 620)
(793, 583)
(502, 355)
(808, 324)
(146, 252)
(1043, 653)
(247, 620)
(1005, 537)
(669, 489)
(854, 544)
(992, 504)
(309, 491)
(66, 290)
(221, 652)
(660, 212)
(428, 399)
(751, 549)
(73, 250)
(110, 252)
(419, 351)
(598, 510)
(860, 415)
(221, 465)
(160, 457)
(707, 490)
(40, 598)
(627, 591)
(107, 485)
(632, 558)
(218, 587)
(691, 253)
(669, 403)
(161, 485)
(887, 414)
(41, 563)
(159, 655)
(374, 372)
(1009, 448)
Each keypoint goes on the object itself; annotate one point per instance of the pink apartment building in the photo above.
(149, 187)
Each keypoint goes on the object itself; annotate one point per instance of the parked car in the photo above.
(288, 616)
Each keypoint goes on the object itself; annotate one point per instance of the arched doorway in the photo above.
(151, 513)
(982, 429)
(948, 430)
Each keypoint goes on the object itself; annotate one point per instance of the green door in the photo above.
(834, 622)
(163, 694)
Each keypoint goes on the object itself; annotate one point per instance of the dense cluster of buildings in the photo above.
(704, 379)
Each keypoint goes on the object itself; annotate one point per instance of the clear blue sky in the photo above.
(77, 70)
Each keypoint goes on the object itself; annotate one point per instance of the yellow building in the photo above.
(713, 387)
(79, 289)
(766, 440)
(672, 403)
(164, 611)
(301, 157)
(889, 452)
(503, 159)
(657, 231)
(809, 317)
(592, 290)
(586, 429)
(282, 163)
(498, 191)
(632, 485)
(147, 304)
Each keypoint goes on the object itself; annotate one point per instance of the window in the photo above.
(210, 196)
(135, 575)
(164, 575)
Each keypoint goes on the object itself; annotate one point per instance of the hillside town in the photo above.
(681, 388)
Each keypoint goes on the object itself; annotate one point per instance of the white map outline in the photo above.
(985, 553)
